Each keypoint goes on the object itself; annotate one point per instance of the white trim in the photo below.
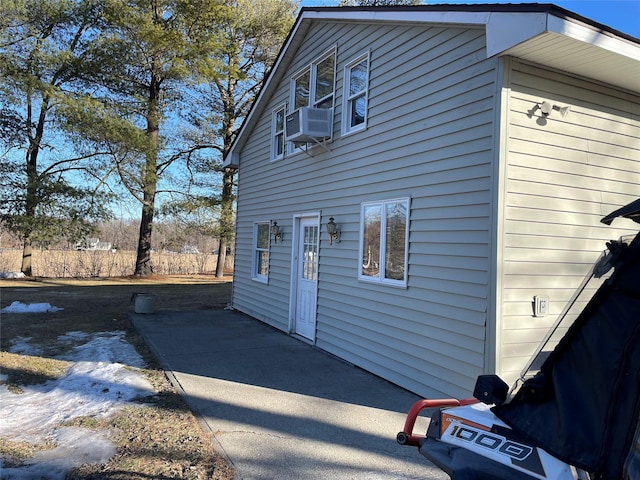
(493, 330)
(330, 52)
(402, 16)
(294, 263)
(592, 37)
(380, 279)
(254, 249)
(346, 114)
(311, 67)
(274, 156)
(292, 82)
(505, 30)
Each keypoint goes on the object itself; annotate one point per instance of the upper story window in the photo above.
(301, 89)
(384, 242)
(325, 73)
(260, 264)
(356, 74)
(314, 86)
(277, 133)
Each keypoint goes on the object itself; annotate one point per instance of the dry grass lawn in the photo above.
(162, 441)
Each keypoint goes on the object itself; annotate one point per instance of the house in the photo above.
(93, 244)
(462, 157)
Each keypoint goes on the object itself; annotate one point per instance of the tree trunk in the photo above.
(226, 220)
(226, 199)
(31, 198)
(222, 258)
(143, 258)
(27, 251)
(150, 177)
(144, 266)
(30, 211)
(31, 202)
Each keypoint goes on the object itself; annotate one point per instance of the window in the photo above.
(384, 242)
(324, 82)
(314, 86)
(356, 76)
(277, 135)
(260, 270)
(301, 87)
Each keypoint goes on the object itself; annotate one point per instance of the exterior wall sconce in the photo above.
(276, 232)
(332, 230)
(547, 107)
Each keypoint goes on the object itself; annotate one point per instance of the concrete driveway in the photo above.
(280, 408)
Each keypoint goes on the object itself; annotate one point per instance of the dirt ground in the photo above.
(102, 303)
(98, 305)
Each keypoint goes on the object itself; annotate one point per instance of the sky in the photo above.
(102, 378)
(622, 15)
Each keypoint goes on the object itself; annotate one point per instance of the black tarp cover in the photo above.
(582, 407)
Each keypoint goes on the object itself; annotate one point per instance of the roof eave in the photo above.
(293, 40)
(511, 30)
(567, 44)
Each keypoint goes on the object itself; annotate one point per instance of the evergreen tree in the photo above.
(250, 34)
(48, 191)
(140, 70)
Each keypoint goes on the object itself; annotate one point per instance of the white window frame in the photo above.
(347, 129)
(312, 69)
(314, 77)
(380, 278)
(306, 70)
(255, 251)
(275, 133)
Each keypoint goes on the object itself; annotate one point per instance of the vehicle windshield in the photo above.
(599, 272)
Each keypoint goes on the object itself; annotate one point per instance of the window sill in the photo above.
(385, 283)
(353, 131)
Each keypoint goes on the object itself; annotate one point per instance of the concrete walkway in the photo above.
(280, 408)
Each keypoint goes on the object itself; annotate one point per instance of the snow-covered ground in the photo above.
(103, 378)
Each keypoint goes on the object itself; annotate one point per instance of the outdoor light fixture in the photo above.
(546, 107)
(332, 230)
(276, 232)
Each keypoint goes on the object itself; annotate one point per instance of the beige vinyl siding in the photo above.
(429, 137)
(563, 176)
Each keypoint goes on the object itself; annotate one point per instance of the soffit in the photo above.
(567, 44)
(572, 56)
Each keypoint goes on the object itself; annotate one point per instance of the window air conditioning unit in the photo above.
(308, 124)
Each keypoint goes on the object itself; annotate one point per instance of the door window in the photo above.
(310, 253)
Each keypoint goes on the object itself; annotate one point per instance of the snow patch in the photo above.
(19, 307)
(75, 447)
(103, 378)
(22, 346)
(8, 275)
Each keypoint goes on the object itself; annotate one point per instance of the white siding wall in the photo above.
(429, 137)
(563, 176)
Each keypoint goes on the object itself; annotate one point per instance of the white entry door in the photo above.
(306, 282)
